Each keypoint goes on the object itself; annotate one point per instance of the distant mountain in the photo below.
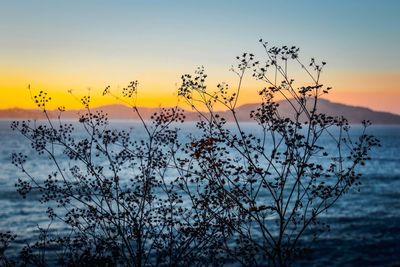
(116, 111)
(352, 113)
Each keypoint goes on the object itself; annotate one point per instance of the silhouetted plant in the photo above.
(5, 239)
(220, 195)
(113, 191)
(270, 185)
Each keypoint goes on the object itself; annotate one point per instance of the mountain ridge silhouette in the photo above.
(354, 114)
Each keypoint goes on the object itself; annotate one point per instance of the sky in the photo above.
(63, 45)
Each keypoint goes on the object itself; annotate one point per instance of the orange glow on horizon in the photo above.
(378, 91)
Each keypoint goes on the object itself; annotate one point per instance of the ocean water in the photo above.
(365, 225)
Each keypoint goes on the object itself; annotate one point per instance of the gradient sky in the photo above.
(62, 45)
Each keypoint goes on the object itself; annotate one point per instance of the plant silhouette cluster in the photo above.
(222, 195)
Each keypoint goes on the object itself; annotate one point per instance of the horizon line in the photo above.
(188, 108)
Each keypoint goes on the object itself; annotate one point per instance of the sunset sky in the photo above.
(61, 45)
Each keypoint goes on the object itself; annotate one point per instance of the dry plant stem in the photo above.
(299, 196)
(221, 195)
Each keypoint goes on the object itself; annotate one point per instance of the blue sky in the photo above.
(363, 34)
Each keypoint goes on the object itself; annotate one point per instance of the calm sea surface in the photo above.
(365, 226)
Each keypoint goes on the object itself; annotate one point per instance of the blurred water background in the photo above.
(365, 225)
